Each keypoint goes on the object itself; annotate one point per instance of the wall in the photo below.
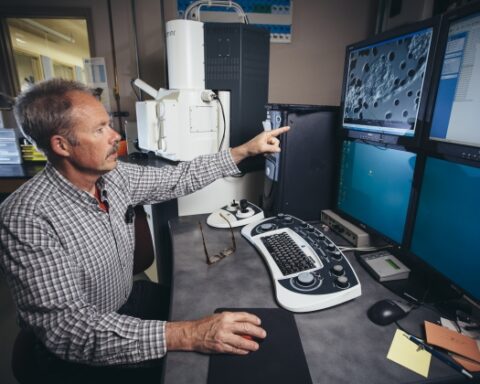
(152, 59)
(309, 70)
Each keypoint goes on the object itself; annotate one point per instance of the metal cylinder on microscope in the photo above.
(185, 54)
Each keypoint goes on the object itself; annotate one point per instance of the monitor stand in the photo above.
(423, 288)
(435, 292)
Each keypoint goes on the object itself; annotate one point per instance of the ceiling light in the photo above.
(49, 30)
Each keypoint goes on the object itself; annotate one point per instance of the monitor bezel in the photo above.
(396, 245)
(386, 137)
(447, 148)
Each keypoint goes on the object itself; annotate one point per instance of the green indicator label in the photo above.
(392, 264)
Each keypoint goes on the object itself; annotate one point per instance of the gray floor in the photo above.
(8, 332)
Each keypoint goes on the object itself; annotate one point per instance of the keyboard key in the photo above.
(288, 256)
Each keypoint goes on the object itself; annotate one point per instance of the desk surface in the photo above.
(341, 345)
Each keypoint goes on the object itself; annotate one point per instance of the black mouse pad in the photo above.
(280, 358)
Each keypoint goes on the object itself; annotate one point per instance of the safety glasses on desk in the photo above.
(222, 254)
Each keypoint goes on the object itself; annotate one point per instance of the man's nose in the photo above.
(116, 137)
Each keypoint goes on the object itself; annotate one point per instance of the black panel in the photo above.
(306, 164)
(237, 60)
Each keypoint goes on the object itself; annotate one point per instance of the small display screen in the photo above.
(384, 84)
(392, 264)
(375, 185)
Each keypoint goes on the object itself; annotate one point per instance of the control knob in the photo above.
(233, 206)
(243, 205)
(341, 282)
(336, 255)
(267, 227)
(330, 246)
(305, 279)
(338, 270)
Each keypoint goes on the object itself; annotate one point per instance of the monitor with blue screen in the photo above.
(385, 81)
(374, 187)
(447, 224)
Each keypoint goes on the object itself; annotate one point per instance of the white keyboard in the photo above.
(309, 272)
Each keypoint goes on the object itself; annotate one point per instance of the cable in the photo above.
(164, 23)
(422, 303)
(218, 3)
(116, 87)
(224, 122)
(364, 249)
(135, 47)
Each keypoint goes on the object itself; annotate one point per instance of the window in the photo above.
(37, 44)
(45, 48)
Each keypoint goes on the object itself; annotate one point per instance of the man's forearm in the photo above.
(239, 153)
(178, 337)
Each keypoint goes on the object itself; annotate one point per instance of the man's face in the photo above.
(96, 149)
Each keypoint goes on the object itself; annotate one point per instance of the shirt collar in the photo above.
(69, 190)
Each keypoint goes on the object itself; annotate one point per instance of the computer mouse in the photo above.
(387, 311)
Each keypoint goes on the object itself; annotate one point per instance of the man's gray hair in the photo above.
(44, 110)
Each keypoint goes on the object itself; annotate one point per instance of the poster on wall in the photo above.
(274, 15)
(96, 78)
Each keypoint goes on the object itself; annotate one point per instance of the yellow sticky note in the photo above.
(406, 353)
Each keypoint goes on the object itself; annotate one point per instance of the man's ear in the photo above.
(60, 146)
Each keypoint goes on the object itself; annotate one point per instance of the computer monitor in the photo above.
(455, 98)
(447, 223)
(385, 84)
(374, 187)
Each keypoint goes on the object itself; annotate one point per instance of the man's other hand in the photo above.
(226, 332)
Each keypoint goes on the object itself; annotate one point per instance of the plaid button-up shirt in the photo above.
(69, 264)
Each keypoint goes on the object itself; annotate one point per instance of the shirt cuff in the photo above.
(229, 167)
(152, 335)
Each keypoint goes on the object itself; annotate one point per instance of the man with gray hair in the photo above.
(67, 248)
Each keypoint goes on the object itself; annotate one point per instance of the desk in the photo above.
(341, 345)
